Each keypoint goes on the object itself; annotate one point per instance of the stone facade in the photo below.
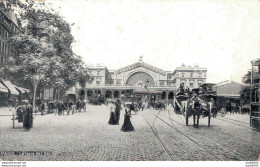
(191, 76)
(8, 27)
(114, 83)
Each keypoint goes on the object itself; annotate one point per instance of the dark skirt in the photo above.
(127, 126)
(28, 120)
(112, 119)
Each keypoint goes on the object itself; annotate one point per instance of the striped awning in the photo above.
(22, 90)
(3, 88)
(10, 87)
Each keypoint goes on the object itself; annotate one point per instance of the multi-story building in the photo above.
(190, 76)
(254, 95)
(162, 84)
(8, 27)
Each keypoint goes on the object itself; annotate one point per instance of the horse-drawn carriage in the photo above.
(200, 98)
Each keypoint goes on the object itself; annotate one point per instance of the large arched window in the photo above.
(140, 78)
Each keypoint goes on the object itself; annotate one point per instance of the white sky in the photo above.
(223, 36)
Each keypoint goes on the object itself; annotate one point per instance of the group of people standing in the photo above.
(25, 115)
(115, 109)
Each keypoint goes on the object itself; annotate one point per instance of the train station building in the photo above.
(141, 79)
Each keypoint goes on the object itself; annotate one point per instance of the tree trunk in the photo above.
(34, 93)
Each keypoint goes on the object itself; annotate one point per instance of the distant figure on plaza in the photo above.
(70, 107)
(112, 119)
(28, 117)
(117, 110)
(60, 107)
(127, 126)
(42, 107)
(85, 105)
(131, 107)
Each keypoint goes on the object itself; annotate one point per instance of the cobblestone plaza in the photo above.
(87, 136)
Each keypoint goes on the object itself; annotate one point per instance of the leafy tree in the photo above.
(42, 53)
(246, 79)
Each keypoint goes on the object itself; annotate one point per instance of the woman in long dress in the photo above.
(112, 119)
(127, 126)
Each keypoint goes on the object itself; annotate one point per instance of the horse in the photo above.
(196, 112)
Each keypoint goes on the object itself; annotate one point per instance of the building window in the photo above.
(98, 82)
(118, 82)
(200, 74)
(98, 72)
(191, 75)
(191, 84)
(182, 75)
(161, 83)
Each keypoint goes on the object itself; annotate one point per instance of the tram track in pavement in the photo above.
(234, 124)
(160, 141)
(235, 120)
(247, 127)
(210, 148)
(226, 145)
(191, 140)
(178, 147)
(228, 134)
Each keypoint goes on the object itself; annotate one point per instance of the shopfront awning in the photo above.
(10, 87)
(3, 88)
(22, 90)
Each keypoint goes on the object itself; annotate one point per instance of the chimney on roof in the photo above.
(141, 59)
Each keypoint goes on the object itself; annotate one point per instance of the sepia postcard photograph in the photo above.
(161, 82)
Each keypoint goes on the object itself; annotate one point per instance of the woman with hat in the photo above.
(112, 119)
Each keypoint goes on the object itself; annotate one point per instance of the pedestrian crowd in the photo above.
(115, 109)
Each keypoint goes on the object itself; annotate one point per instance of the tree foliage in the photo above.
(43, 48)
(246, 79)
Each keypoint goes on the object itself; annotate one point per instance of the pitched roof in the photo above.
(141, 64)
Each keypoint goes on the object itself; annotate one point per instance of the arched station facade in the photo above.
(126, 81)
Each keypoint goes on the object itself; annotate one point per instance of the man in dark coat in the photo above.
(28, 117)
(117, 111)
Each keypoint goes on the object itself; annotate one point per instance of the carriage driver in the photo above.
(196, 110)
